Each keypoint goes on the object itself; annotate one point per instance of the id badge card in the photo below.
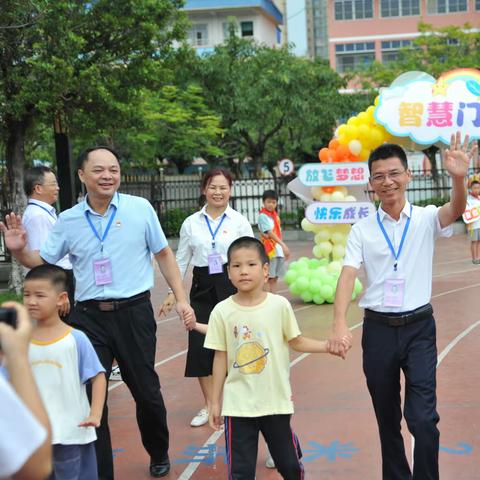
(393, 292)
(102, 270)
(215, 263)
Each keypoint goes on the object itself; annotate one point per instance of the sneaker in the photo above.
(115, 374)
(201, 418)
(269, 463)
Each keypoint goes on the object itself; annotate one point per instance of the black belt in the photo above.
(111, 305)
(203, 271)
(400, 319)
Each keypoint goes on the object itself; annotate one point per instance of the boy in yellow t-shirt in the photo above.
(251, 332)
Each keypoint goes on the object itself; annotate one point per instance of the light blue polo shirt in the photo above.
(134, 235)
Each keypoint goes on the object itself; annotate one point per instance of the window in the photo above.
(198, 35)
(477, 4)
(390, 49)
(447, 6)
(399, 8)
(354, 56)
(353, 9)
(246, 29)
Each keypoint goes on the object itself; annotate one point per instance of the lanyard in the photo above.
(212, 233)
(109, 224)
(389, 242)
(43, 208)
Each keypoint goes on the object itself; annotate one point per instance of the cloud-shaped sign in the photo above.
(430, 111)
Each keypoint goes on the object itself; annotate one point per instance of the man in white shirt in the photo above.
(41, 188)
(395, 247)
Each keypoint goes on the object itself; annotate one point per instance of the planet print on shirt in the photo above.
(251, 357)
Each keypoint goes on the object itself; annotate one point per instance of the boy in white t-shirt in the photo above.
(63, 361)
(251, 332)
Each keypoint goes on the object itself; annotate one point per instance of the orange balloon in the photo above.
(328, 189)
(323, 154)
(332, 154)
(333, 144)
(342, 152)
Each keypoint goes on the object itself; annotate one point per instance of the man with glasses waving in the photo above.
(395, 247)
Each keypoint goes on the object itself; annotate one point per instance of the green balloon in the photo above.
(295, 289)
(302, 283)
(318, 299)
(330, 299)
(354, 296)
(313, 263)
(358, 287)
(324, 262)
(303, 260)
(293, 265)
(326, 291)
(306, 296)
(314, 286)
(290, 277)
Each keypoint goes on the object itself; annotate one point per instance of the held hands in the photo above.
(457, 157)
(14, 232)
(186, 314)
(340, 342)
(64, 308)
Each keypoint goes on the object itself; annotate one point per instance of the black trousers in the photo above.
(129, 336)
(412, 349)
(241, 439)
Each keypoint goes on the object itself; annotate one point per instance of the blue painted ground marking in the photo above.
(463, 449)
(116, 451)
(330, 452)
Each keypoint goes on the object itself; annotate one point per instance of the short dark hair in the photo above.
(248, 242)
(388, 150)
(54, 274)
(474, 182)
(83, 157)
(272, 194)
(34, 176)
(207, 178)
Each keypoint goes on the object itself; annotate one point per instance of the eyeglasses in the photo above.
(381, 177)
(48, 184)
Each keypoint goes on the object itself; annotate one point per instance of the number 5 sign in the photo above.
(286, 167)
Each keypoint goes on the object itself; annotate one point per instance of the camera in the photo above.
(8, 316)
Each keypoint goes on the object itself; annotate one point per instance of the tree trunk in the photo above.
(15, 156)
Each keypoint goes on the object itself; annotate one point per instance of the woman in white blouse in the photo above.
(204, 240)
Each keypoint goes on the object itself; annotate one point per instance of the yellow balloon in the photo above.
(376, 137)
(325, 197)
(344, 190)
(355, 147)
(337, 238)
(362, 118)
(364, 154)
(377, 99)
(350, 198)
(337, 196)
(322, 236)
(341, 129)
(351, 132)
(317, 252)
(353, 121)
(325, 248)
(338, 252)
(363, 131)
(370, 111)
(343, 139)
(306, 225)
(316, 192)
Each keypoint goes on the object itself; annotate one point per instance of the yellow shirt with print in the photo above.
(256, 341)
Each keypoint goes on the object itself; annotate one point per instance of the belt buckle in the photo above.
(399, 321)
(106, 306)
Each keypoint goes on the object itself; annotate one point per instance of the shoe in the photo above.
(269, 463)
(115, 374)
(159, 469)
(201, 418)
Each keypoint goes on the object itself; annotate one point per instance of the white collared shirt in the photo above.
(38, 219)
(367, 245)
(196, 240)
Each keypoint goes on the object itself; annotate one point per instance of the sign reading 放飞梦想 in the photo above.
(427, 110)
(332, 174)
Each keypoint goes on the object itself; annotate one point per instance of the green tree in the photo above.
(269, 100)
(78, 61)
(175, 124)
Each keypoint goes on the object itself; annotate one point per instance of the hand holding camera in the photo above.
(15, 329)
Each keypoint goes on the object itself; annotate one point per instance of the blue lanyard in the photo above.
(43, 208)
(389, 242)
(109, 224)
(212, 233)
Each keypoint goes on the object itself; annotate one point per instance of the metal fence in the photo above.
(174, 198)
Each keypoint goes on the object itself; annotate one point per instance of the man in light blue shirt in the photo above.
(110, 238)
